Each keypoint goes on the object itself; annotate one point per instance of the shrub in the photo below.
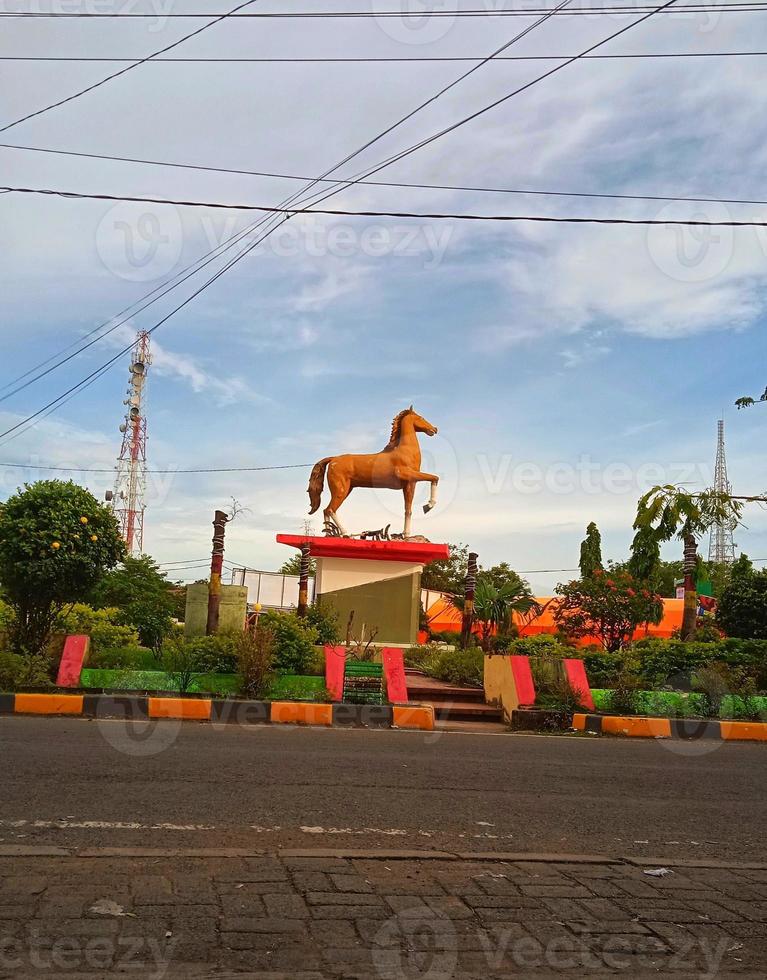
(100, 624)
(324, 619)
(603, 668)
(623, 699)
(216, 654)
(541, 645)
(18, 672)
(420, 657)
(254, 651)
(451, 637)
(557, 695)
(294, 640)
(179, 663)
(718, 681)
(458, 666)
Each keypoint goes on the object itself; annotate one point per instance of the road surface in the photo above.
(81, 783)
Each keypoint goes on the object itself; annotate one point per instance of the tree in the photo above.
(746, 401)
(56, 542)
(447, 574)
(609, 606)
(495, 605)
(742, 608)
(500, 575)
(293, 565)
(144, 596)
(668, 511)
(591, 551)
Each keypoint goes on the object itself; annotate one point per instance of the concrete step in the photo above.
(416, 692)
(468, 710)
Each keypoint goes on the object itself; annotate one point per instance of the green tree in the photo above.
(447, 574)
(500, 575)
(668, 511)
(591, 551)
(609, 606)
(746, 401)
(742, 608)
(293, 565)
(495, 605)
(144, 596)
(56, 542)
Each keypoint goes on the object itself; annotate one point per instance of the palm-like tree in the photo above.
(495, 605)
(666, 512)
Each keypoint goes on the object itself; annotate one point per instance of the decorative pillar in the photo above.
(470, 586)
(303, 581)
(216, 566)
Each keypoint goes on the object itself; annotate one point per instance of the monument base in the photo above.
(379, 581)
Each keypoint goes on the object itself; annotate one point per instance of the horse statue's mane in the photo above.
(396, 425)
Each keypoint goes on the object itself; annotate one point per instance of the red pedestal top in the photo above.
(420, 552)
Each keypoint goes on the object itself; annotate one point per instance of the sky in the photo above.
(568, 367)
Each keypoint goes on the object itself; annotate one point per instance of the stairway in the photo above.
(455, 706)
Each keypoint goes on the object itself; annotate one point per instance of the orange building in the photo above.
(443, 616)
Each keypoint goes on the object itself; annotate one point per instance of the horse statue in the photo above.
(396, 467)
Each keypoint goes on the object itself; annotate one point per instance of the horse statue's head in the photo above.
(421, 424)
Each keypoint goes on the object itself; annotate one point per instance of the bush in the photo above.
(21, 671)
(179, 663)
(458, 666)
(216, 654)
(294, 641)
(541, 645)
(603, 668)
(420, 657)
(324, 619)
(100, 624)
(254, 651)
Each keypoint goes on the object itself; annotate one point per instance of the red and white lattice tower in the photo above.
(721, 549)
(128, 497)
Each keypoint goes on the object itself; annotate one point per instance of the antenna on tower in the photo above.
(720, 547)
(128, 497)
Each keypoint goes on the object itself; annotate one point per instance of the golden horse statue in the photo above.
(396, 467)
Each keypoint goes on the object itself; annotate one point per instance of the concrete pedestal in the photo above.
(232, 612)
(379, 580)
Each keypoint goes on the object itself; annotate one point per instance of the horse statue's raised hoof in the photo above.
(427, 507)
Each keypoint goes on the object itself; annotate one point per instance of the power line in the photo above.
(377, 60)
(379, 183)
(741, 6)
(510, 95)
(123, 71)
(70, 392)
(289, 200)
(451, 216)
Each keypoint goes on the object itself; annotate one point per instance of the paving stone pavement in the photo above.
(385, 917)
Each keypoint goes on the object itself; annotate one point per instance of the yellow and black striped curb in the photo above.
(687, 728)
(222, 710)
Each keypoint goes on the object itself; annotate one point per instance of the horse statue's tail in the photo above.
(317, 482)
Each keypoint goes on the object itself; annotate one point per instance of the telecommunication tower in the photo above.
(128, 497)
(720, 547)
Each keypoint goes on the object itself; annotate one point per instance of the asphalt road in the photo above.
(82, 783)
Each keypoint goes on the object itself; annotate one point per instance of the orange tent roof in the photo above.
(444, 617)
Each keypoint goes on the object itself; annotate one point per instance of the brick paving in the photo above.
(380, 917)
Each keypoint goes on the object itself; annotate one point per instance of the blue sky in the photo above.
(567, 367)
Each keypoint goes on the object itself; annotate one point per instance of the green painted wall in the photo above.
(391, 606)
(234, 604)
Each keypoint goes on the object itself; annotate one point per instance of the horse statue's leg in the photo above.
(432, 497)
(408, 491)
